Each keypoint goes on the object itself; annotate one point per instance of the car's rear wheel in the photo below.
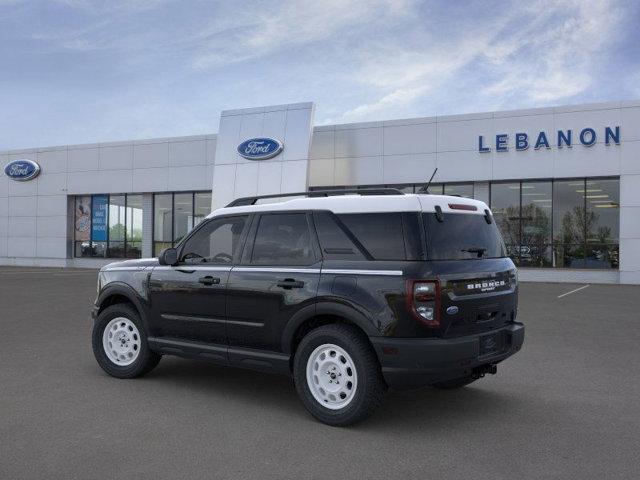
(120, 343)
(337, 375)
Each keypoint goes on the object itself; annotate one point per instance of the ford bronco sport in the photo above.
(349, 294)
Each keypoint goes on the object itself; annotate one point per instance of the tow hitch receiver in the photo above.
(483, 370)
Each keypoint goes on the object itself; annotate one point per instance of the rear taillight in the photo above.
(423, 297)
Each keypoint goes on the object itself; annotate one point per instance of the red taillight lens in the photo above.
(463, 206)
(424, 301)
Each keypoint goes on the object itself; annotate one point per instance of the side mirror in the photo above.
(169, 256)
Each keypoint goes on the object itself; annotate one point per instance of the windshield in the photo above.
(462, 236)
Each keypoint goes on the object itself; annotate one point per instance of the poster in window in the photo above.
(99, 218)
(83, 219)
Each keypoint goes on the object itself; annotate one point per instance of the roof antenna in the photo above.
(425, 189)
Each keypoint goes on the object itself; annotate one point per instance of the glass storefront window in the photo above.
(108, 226)
(82, 227)
(460, 189)
(568, 212)
(434, 188)
(162, 222)
(569, 223)
(117, 220)
(505, 205)
(175, 215)
(564, 223)
(134, 226)
(201, 207)
(535, 243)
(182, 215)
(603, 223)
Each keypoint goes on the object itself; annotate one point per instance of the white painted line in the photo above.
(573, 291)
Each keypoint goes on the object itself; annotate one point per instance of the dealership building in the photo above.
(563, 182)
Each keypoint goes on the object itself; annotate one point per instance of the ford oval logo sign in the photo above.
(22, 170)
(452, 310)
(260, 148)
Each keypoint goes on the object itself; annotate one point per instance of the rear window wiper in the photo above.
(479, 250)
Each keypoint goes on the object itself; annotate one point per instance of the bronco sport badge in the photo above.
(486, 286)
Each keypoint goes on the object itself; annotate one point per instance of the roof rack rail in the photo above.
(244, 201)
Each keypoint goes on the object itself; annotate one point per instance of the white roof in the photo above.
(362, 204)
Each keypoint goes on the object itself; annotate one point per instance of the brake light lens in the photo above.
(463, 206)
(424, 301)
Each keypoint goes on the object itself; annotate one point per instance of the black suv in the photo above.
(348, 294)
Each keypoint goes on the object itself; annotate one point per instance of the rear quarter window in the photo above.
(385, 236)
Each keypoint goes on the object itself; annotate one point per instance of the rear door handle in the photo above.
(209, 280)
(289, 283)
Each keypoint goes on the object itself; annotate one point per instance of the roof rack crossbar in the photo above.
(244, 201)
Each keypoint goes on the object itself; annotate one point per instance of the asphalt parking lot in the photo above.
(567, 406)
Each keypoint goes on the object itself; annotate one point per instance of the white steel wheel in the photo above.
(121, 341)
(331, 376)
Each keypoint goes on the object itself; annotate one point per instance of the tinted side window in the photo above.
(334, 241)
(216, 242)
(380, 233)
(283, 239)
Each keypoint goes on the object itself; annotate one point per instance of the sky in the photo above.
(80, 71)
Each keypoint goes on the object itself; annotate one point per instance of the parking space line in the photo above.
(573, 291)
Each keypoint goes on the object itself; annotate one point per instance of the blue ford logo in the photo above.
(22, 170)
(260, 148)
(452, 310)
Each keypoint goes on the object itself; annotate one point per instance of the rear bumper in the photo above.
(415, 362)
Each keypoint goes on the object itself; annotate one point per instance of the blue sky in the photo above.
(77, 71)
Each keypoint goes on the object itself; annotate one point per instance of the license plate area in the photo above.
(492, 344)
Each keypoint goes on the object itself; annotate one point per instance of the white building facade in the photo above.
(563, 182)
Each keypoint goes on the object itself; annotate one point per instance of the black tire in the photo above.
(370, 387)
(455, 383)
(146, 359)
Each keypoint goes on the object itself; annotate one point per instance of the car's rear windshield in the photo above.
(462, 236)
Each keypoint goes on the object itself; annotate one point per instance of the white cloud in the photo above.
(288, 24)
(555, 63)
(542, 52)
(166, 67)
(397, 98)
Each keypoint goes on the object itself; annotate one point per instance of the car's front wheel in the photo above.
(120, 343)
(337, 375)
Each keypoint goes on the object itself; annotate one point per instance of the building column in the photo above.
(147, 225)
(629, 229)
(235, 176)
